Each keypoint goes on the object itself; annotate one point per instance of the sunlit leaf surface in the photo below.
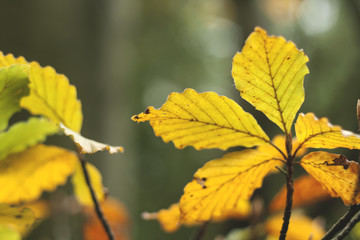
(301, 227)
(320, 133)
(306, 190)
(51, 95)
(25, 134)
(81, 189)
(269, 73)
(87, 145)
(25, 175)
(203, 120)
(337, 175)
(14, 82)
(18, 218)
(223, 186)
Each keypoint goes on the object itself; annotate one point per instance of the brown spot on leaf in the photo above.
(147, 111)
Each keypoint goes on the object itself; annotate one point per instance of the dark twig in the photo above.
(348, 227)
(289, 188)
(97, 206)
(341, 223)
(200, 232)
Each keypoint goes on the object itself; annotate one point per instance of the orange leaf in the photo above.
(307, 190)
(337, 175)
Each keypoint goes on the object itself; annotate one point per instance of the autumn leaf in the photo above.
(51, 95)
(81, 190)
(301, 227)
(219, 188)
(203, 120)
(19, 219)
(22, 135)
(338, 175)
(9, 233)
(88, 146)
(116, 214)
(14, 82)
(25, 175)
(269, 73)
(306, 190)
(320, 133)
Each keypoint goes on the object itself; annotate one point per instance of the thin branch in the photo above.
(341, 223)
(200, 232)
(348, 227)
(97, 206)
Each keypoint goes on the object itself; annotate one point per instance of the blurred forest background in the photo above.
(125, 55)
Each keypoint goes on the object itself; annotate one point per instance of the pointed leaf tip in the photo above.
(269, 73)
(88, 146)
(203, 120)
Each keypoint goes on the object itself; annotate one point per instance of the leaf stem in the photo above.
(289, 189)
(346, 230)
(97, 206)
(341, 223)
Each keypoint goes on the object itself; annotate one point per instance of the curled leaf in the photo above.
(87, 145)
(14, 82)
(81, 189)
(25, 175)
(203, 120)
(320, 133)
(269, 73)
(336, 174)
(22, 135)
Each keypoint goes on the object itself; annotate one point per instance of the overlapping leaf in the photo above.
(319, 133)
(301, 227)
(337, 175)
(269, 73)
(89, 146)
(17, 218)
(25, 175)
(14, 82)
(223, 186)
(51, 95)
(81, 189)
(203, 120)
(306, 190)
(25, 134)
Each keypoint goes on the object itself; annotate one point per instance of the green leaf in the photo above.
(9, 233)
(13, 86)
(24, 135)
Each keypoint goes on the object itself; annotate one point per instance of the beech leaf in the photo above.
(19, 219)
(222, 187)
(269, 73)
(25, 175)
(51, 95)
(336, 174)
(87, 145)
(22, 135)
(320, 133)
(203, 120)
(14, 82)
(81, 189)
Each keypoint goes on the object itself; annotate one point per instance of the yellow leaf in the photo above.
(306, 190)
(87, 145)
(51, 95)
(169, 219)
(222, 187)
(269, 73)
(81, 189)
(319, 133)
(337, 175)
(301, 227)
(17, 218)
(203, 120)
(25, 175)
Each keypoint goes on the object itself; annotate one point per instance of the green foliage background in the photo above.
(126, 55)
